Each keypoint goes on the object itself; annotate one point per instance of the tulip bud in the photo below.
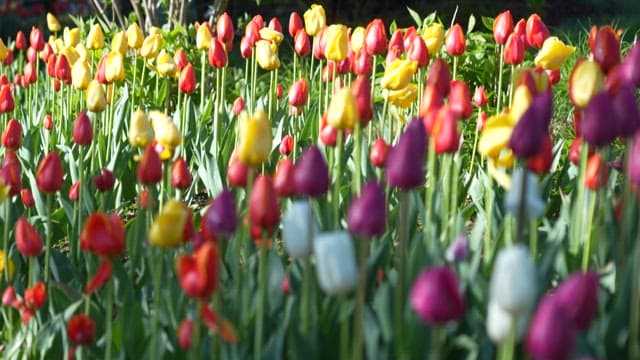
(252, 33)
(187, 81)
(36, 39)
(396, 43)
(165, 64)
(237, 172)
(320, 44)
(314, 19)
(220, 219)
(81, 329)
(96, 98)
(119, 42)
(151, 46)
(140, 130)
(418, 52)
(21, 40)
(502, 27)
(172, 226)
(436, 296)
(585, 81)
(439, 77)
(74, 192)
(361, 89)
(283, 179)
(362, 63)
(180, 175)
(7, 103)
(513, 281)
(298, 93)
(459, 99)
(551, 334)
(286, 145)
(295, 24)
(134, 36)
(367, 213)
(606, 49)
(12, 135)
(335, 262)
(224, 28)
(433, 36)
(82, 129)
(311, 173)
(378, 154)
(626, 111)
(9, 296)
(95, 38)
(80, 75)
(553, 54)
(217, 54)
(47, 122)
(500, 323)
(596, 174)
(198, 273)
(514, 50)
(264, 211)
(167, 136)
(254, 144)
(105, 180)
(299, 227)
(114, 67)
(337, 42)
(342, 113)
(375, 37)
(405, 160)
(103, 234)
(578, 297)
(28, 241)
(455, 42)
(458, 250)
(594, 130)
(238, 105)
(49, 174)
(479, 97)
(185, 333)
(27, 198)
(536, 31)
(445, 131)
(633, 160)
(528, 133)
(301, 43)
(203, 36)
(149, 170)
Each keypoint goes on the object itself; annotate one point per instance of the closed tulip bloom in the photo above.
(540, 162)
(30, 76)
(28, 241)
(298, 93)
(165, 64)
(10, 175)
(203, 36)
(267, 55)
(151, 46)
(439, 77)
(52, 23)
(180, 58)
(585, 81)
(299, 227)
(217, 54)
(553, 54)
(595, 128)
(221, 218)
(185, 333)
(455, 42)
(237, 172)
(436, 296)
(295, 23)
(578, 297)
(405, 160)
(21, 40)
(320, 44)
(95, 38)
(378, 153)
(404, 97)
(36, 39)
(337, 46)
(254, 143)
(251, 33)
(528, 133)
(12, 135)
(187, 80)
(513, 284)
(224, 28)
(81, 329)
(283, 178)
(633, 160)
(362, 63)
(514, 50)
(433, 36)
(397, 42)
(47, 122)
(460, 100)
(375, 37)
(101, 71)
(302, 44)
(82, 129)
(173, 225)
(502, 27)
(342, 113)
(596, 173)
(9, 295)
(114, 67)
(409, 35)
(134, 36)
(551, 335)
(631, 65)
(103, 235)
(140, 130)
(198, 273)
(314, 19)
(238, 105)
(398, 74)
(180, 176)
(27, 198)
(520, 29)
(536, 31)
(96, 98)
(8, 60)
(80, 74)
(458, 250)
(7, 103)
(166, 133)
(445, 131)
(264, 211)
(286, 145)
(500, 323)
(626, 111)
(361, 89)
(271, 35)
(335, 262)
(119, 42)
(479, 97)
(367, 213)
(49, 174)
(149, 171)
(311, 173)
(418, 52)
(105, 180)
(606, 49)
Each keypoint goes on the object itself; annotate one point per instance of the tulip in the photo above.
(119, 42)
(252, 33)
(320, 44)
(311, 173)
(455, 42)
(81, 329)
(433, 36)
(342, 113)
(217, 54)
(553, 54)
(520, 30)
(409, 36)
(295, 24)
(445, 131)
(140, 130)
(21, 40)
(631, 65)
(254, 144)
(479, 97)
(298, 93)
(578, 297)
(536, 31)
(149, 170)
(224, 28)
(8, 60)
(95, 38)
(398, 74)
(606, 49)
(52, 23)
(286, 145)
(367, 213)
(237, 172)
(49, 174)
(51, 65)
(299, 227)
(9, 296)
(180, 175)
(596, 174)
(102, 70)
(337, 46)
(514, 50)
(82, 129)
(180, 59)
(134, 36)
(103, 235)
(283, 179)
(114, 67)
(551, 335)
(626, 111)
(96, 98)
(402, 98)
(198, 273)
(271, 35)
(418, 52)
(513, 281)
(267, 55)
(378, 154)
(35, 296)
(74, 192)
(314, 19)
(585, 81)
(187, 80)
(10, 176)
(172, 226)
(404, 162)
(100, 278)
(166, 133)
(595, 131)
(335, 262)
(633, 160)
(238, 105)
(361, 89)
(30, 76)
(439, 77)
(528, 133)
(28, 240)
(203, 36)
(459, 99)
(105, 180)
(436, 296)
(151, 46)
(12, 135)
(362, 63)
(397, 42)
(220, 219)
(375, 37)
(500, 323)
(502, 27)
(458, 250)
(540, 162)
(264, 212)
(301, 43)
(7, 103)
(534, 205)
(80, 74)
(36, 39)
(27, 198)
(185, 333)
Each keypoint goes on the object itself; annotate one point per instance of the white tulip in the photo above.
(499, 323)
(534, 206)
(513, 282)
(299, 227)
(335, 262)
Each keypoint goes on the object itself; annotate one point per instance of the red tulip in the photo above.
(378, 153)
(418, 52)
(295, 23)
(362, 63)
(6, 99)
(238, 105)
(30, 74)
(502, 27)
(9, 296)
(606, 49)
(536, 31)
(101, 71)
(460, 100)
(104, 181)
(597, 173)
(12, 135)
(479, 97)
(10, 172)
(455, 42)
(103, 234)
(180, 176)
(540, 163)
(264, 211)
(27, 198)
(375, 37)
(21, 40)
(198, 273)
(32, 55)
(514, 50)
(397, 42)
(361, 89)
(432, 101)
(101, 277)
(217, 54)
(439, 77)
(251, 33)
(46, 52)
(187, 81)
(319, 45)
(28, 241)
(445, 131)
(286, 145)
(298, 93)
(82, 129)
(246, 48)
(404, 167)
(224, 28)
(49, 174)
(63, 69)
(185, 333)
(8, 60)
(328, 134)
(180, 58)
(237, 172)
(482, 119)
(81, 329)
(35, 296)
(520, 30)
(578, 296)
(283, 178)
(74, 191)
(279, 91)
(51, 65)
(301, 43)
(36, 39)
(274, 24)
(149, 170)
(409, 36)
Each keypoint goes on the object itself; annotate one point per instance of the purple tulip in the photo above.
(551, 335)
(599, 126)
(436, 296)
(311, 175)
(631, 65)
(578, 297)
(633, 160)
(458, 250)
(528, 134)
(405, 160)
(626, 111)
(220, 219)
(367, 214)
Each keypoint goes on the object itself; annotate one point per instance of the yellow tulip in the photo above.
(254, 141)
(553, 54)
(342, 113)
(95, 39)
(433, 36)
(587, 79)
(57, 45)
(71, 36)
(314, 19)
(119, 42)
(110, 93)
(337, 47)
(203, 37)
(404, 97)
(521, 100)
(267, 55)
(165, 64)
(81, 51)
(134, 36)
(4, 191)
(140, 130)
(151, 46)
(52, 23)
(80, 74)
(154, 30)
(168, 227)
(5, 262)
(495, 135)
(96, 98)
(271, 35)
(398, 74)
(357, 39)
(166, 133)
(114, 67)
(3, 51)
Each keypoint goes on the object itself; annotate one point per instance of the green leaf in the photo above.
(471, 24)
(488, 23)
(415, 16)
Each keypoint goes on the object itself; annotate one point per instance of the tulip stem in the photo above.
(254, 74)
(488, 213)
(457, 164)
(475, 145)
(455, 67)
(360, 298)
(500, 66)
(203, 63)
(586, 249)
(400, 259)
(338, 179)
(133, 88)
(445, 170)
(156, 261)
(438, 334)
(197, 320)
(109, 317)
(47, 255)
(507, 348)
(5, 238)
(428, 201)
(357, 149)
(634, 326)
(522, 206)
(576, 231)
(533, 238)
(262, 297)
(306, 296)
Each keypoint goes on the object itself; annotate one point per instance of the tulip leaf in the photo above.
(415, 16)
(488, 22)
(382, 308)
(471, 24)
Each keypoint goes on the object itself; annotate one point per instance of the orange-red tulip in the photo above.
(82, 129)
(187, 81)
(49, 174)
(455, 42)
(180, 176)
(502, 27)
(149, 170)
(12, 135)
(28, 241)
(198, 273)
(103, 235)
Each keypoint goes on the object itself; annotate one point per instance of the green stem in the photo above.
(307, 280)
(457, 164)
(522, 206)
(203, 64)
(262, 300)
(508, 347)
(49, 237)
(360, 298)
(400, 260)
(438, 334)
(345, 339)
(501, 64)
(445, 171)
(634, 304)
(455, 67)
(586, 254)
(5, 238)
(338, 179)
(488, 213)
(576, 231)
(197, 324)
(475, 145)
(156, 263)
(109, 318)
(428, 197)
(357, 149)
(533, 238)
